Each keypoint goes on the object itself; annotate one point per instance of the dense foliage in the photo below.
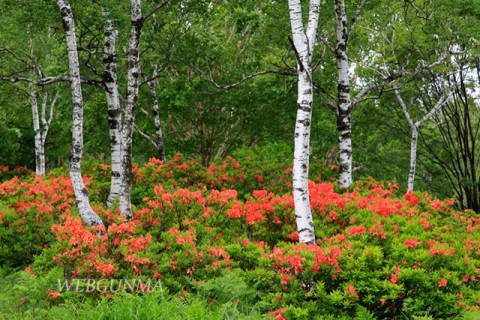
(224, 238)
(201, 48)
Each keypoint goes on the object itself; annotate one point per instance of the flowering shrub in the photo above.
(194, 227)
(30, 208)
(7, 173)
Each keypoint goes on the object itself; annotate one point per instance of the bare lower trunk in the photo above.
(46, 123)
(89, 217)
(344, 127)
(41, 131)
(114, 109)
(39, 151)
(344, 107)
(303, 45)
(159, 139)
(131, 102)
(413, 158)
(301, 155)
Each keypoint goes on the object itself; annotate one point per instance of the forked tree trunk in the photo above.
(303, 44)
(114, 109)
(46, 124)
(415, 127)
(131, 102)
(89, 217)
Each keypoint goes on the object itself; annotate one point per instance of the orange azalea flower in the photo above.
(442, 283)
(351, 290)
(412, 243)
(53, 294)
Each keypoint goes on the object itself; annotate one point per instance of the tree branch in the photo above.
(355, 17)
(152, 12)
(426, 16)
(48, 80)
(396, 76)
(404, 108)
(143, 134)
(300, 63)
(322, 92)
(443, 99)
(251, 76)
(325, 42)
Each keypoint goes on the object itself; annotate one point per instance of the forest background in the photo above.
(224, 77)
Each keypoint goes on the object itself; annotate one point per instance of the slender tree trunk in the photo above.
(114, 109)
(46, 124)
(303, 44)
(131, 102)
(89, 217)
(39, 151)
(344, 106)
(413, 158)
(471, 135)
(159, 139)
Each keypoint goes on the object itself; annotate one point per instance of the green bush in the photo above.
(223, 242)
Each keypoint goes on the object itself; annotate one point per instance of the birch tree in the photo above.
(159, 137)
(41, 131)
(41, 124)
(303, 43)
(114, 109)
(89, 217)
(343, 103)
(415, 128)
(120, 130)
(158, 141)
(130, 105)
(35, 88)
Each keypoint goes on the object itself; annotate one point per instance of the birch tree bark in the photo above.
(114, 109)
(159, 139)
(89, 217)
(344, 105)
(415, 127)
(41, 132)
(39, 151)
(131, 102)
(303, 43)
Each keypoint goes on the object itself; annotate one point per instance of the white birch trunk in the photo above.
(159, 139)
(413, 158)
(415, 127)
(39, 151)
(131, 102)
(304, 45)
(46, 124)
(344, 107)
(114, 109)
(89, 217)
(41, 131)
